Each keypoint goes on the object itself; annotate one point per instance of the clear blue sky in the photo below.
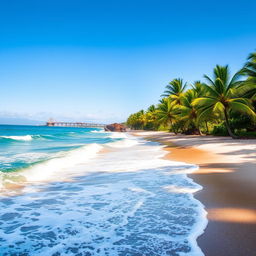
(102, 60)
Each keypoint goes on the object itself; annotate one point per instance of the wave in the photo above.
(38, 137)
(61, 167)
(98, 131)
(45, 167)
(122, 140)
(123, 143)
(22, 138)
(30, 157)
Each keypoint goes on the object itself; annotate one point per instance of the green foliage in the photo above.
(136, 121)
(174, 91)
(166, 112)
(220, 130)
(242, 122)
(178, 127)
(224, 105)
(247, 134)
(223, 96)
(249, 70)
(188, 113)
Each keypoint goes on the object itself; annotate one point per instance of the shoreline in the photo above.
(227, 173)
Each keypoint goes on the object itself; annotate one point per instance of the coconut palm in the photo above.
(151, 118)
(188, 112)
(250, 66)
(175, 90)
(199, 88)
(166, 112)
(249, 86)
(222, 96)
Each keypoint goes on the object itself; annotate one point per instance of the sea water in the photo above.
(83, 191)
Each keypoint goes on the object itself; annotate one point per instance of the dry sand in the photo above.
(228, 175)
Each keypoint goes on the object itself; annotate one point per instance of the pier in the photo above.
(74, 124)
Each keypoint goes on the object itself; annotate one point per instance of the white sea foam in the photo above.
(61, 167)
(125, 141)
(183, 190)
(98, 131)
(23, 138)
(118, 135)
(126, 202)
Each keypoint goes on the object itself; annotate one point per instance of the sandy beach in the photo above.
(228, 175)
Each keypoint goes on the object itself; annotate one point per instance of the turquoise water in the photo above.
(22, 146)
(86, 192)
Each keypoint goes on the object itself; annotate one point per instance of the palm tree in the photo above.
(199, 88)
(166, 112)
(249, 86)
(188, 112)
(175, 90)
(151, 109)
(222, 96)
(151, 116)
(136, 120)
(250, 66)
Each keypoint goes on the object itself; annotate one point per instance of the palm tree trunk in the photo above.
(200, 132)
(231, 134)
(198, 129)
(207, 128)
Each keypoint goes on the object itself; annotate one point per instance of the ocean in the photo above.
(85, 192)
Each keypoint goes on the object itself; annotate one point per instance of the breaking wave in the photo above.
(22, 138)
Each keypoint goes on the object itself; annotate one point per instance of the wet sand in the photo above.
(228, 175)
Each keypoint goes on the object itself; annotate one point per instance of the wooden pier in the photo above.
(74, 124)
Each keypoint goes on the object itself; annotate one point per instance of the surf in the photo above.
(115, 197)
(22, 138)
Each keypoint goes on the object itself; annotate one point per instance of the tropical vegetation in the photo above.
(221, 105)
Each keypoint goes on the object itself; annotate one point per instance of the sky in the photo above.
(99, 61)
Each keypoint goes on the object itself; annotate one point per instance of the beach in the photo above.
(118, 194)
(227, 172)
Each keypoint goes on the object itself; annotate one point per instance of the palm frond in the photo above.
(218, 108)
(242, 108)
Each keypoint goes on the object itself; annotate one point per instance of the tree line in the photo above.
(221, 105)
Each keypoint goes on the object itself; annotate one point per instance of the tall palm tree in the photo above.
(166, 112)
(249, 86)
(188, 112)
(200, 90)
(175, 90)
(151, 117)
(222, 96)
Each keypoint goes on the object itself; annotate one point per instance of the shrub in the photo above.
(220, 130)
